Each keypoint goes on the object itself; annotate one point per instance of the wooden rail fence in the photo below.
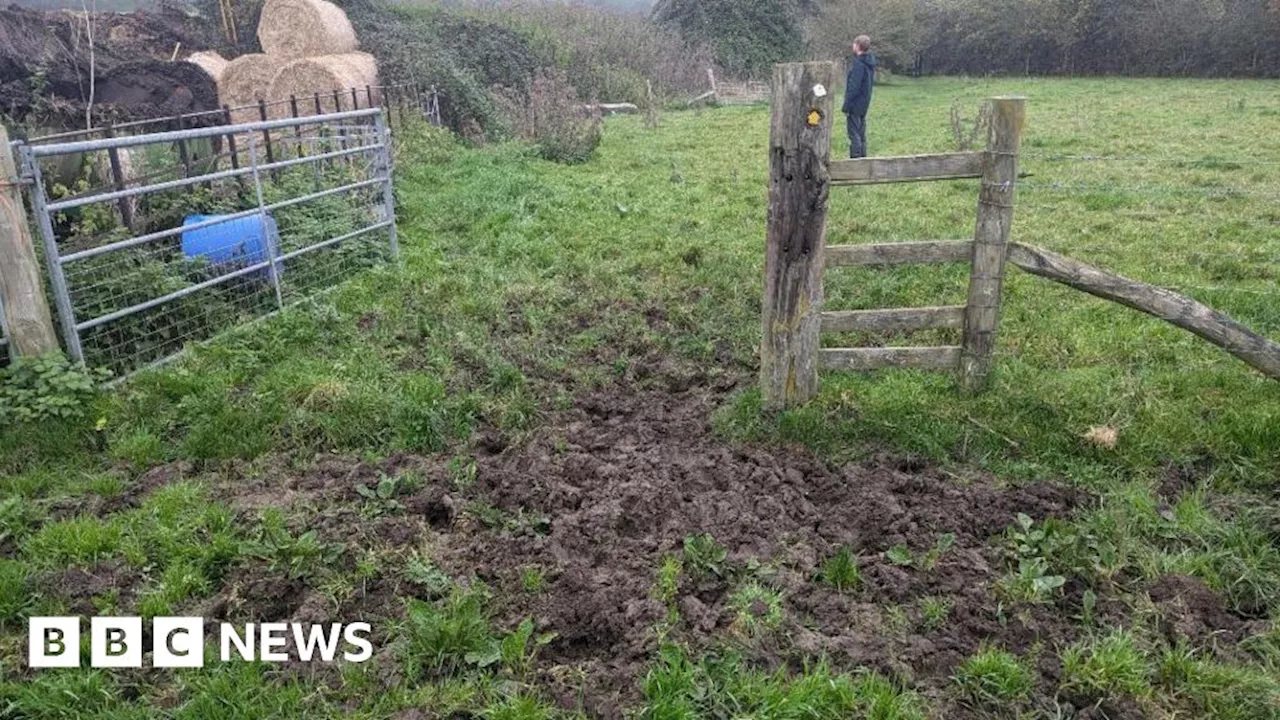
(801, 174)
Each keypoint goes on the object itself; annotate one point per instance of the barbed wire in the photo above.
(1154, 190)
(1224, 289)
(1168, 159)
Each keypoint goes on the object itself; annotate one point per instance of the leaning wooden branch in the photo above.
(1179, 310)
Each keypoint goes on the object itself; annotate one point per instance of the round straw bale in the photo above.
(245, 81)
(302, 28)
(325, 74)
(211, 62)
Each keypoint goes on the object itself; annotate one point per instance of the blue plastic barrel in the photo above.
(238, 243)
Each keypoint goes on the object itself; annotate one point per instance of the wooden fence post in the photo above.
(26, 311)
(799, 180)
(117, 179)
(990, 240)
(231, 147)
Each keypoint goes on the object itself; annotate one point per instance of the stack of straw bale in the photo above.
(309, 47)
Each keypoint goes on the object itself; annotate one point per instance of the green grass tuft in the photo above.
(841, 571)
(1111, 665)
(996, 677)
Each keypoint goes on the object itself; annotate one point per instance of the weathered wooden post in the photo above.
(117, 179)
(991, 240)
(799, 179)
(26, 311)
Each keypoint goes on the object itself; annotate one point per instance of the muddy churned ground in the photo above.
(598, 497)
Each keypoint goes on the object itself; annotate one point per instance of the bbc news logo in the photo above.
(178, 642)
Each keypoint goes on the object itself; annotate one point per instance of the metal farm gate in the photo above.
(191, 232)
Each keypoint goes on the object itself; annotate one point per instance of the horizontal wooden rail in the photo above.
(893, 319)
(858, 359)
(940, 251)
(1169, 306)
(908, 168)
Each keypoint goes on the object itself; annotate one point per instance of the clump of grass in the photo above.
(178, 582)
(680, 687)
(463, 471)
(896, 620)
(1217, 690)
(533, 579)
(668, 584)
(75, 693)
(80, 540)
(15, 594)
(934, 611)
(940, 548)
(758, 608)
(995, 676)
(841, 571)
(1108, 666)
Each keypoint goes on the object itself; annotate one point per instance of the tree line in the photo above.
(1040, 37)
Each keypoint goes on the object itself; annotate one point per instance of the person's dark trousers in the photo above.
(857, 136)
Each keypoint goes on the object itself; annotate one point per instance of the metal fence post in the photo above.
(273, 249)
(57, 280)
(388, 191)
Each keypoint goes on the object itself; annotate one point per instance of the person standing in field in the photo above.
(857, 95)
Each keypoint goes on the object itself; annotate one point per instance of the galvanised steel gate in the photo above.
(196, 231)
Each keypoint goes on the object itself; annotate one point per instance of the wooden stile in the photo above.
(799, 158)
(797, 256)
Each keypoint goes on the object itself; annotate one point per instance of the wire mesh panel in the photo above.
(154, 241)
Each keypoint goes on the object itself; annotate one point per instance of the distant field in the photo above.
(549, 413)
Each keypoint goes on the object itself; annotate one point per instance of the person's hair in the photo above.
(862, 42)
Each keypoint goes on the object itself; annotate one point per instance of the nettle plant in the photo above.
(46, 387)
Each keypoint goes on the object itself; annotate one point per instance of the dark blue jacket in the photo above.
(858, 85)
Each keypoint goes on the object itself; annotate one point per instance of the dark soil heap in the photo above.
(598, 496)
(624, 479)
(605, 490)
(45, 61)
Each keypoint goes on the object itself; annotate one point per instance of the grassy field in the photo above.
(529, 288)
